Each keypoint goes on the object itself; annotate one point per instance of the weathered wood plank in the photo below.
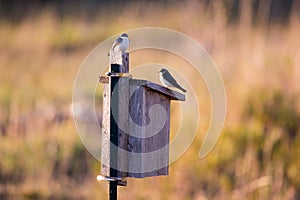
(136, 111)
(113, 165)
(123, 124)
(105, 152)
(159, 141)
(140, 103)
(158, 88)
(125, 63)
(121, 65)
(115, 57)
(173, 94)
(103, 79)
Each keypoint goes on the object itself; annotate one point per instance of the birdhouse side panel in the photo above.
(159, 141)
(161, 119)
(136, 122)
(105, 146)
(148, 142)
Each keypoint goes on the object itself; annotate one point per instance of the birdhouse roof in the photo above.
(160, 89)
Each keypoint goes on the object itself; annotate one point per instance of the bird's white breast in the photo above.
(124, 44)
(164, 81)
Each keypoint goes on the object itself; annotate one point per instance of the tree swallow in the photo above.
(121, 43)
(167, 80)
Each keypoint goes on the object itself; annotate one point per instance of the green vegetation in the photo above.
(257, 156)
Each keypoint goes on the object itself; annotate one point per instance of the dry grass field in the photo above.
(256, 157)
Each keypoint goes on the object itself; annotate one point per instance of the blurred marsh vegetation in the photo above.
(254, 43)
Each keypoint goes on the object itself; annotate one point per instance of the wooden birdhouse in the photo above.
(135, 126)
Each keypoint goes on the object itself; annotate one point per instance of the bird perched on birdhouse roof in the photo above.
(168, 81)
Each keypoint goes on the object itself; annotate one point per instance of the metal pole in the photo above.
(113, 190)
(113, 185)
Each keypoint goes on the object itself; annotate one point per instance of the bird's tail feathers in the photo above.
(182, 89)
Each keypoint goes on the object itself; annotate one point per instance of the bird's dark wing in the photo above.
(117, 42)
(169, 78)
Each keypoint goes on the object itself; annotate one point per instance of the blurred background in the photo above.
(254, 43)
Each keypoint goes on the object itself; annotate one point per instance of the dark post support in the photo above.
(113, 190)
(115, 93)
(114, 140)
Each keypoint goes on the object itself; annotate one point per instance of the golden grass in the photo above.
(255, 158)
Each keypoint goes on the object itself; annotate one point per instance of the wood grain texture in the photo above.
(121, 66)
(114, 160)
(115, 57)
(140, 103)
(123, 96)
(132, 138)
(105, 146)
(125, 63)
(103, 79)
(158, 88)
